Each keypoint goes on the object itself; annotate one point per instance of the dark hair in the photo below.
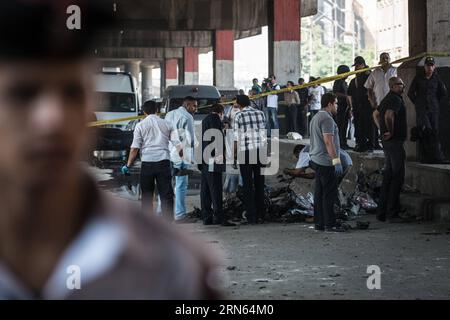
(291, 82)
(273, 76)
(298, 148)
(343, 69)
(255, 79)
(301, 79)
(328, 98)
(312, 79)
(217, 108)
(150, 107)
(384, 53)
(189, 99)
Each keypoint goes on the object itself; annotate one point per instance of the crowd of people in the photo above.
(373, 100)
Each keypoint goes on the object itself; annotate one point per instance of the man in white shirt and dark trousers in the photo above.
(326, 162)
(152, 137)
(377, 86)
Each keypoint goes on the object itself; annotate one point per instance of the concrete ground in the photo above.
(293, 261)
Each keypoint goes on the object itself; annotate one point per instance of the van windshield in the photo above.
(116, 102)
(175, 103)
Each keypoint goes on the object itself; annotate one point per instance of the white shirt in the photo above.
(183, 122)
(153, 136)
(316, 97)
(272, 100)
(94, 251)
(304, 159)
(378, 81)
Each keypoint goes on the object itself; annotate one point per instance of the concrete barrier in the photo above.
(431, 198)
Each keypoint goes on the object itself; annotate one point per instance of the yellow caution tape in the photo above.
(306, 85)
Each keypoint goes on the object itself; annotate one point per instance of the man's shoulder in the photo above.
(155, 249)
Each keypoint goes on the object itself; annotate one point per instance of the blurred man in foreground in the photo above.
(60, 237)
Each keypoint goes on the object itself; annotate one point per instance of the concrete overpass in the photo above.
(172, 33)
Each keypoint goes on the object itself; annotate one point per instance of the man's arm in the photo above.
(132, 157)
(372, 98)
(389, 119)
(369, 85)
(331, 149)
(412, 92)
(299, 173)
(376, 118)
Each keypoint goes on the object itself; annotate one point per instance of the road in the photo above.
(293, 261)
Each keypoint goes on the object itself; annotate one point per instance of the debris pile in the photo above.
(284, 205)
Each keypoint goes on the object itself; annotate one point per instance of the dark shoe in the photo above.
(319, 228)
(228, 224)
(335, 229)
(381, 218)
(208, 222)
(185, 220)
(398, 220)
(182, 172)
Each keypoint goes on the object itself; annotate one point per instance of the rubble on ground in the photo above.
(284, 205)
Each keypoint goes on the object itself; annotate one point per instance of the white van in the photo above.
(116, 98)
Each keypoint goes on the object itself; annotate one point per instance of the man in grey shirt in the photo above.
(326, 162)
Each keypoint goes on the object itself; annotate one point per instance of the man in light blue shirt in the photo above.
(182, 120)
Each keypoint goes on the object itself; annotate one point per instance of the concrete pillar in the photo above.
(428, 32)
(190, 56)
(171, 72)
(224, 59)
(284, 40)
(133, 67)
(147, 85)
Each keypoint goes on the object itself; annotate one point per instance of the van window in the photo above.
(175, 103)
(116, 102)
(105, 82)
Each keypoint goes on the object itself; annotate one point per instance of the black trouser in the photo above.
(302, 120)
(325, 195)
(292, 118)
(211, 197)
(253, 188)
(364, 131)
(375, 141)
(159, 172)
(430, 120)
(393, 178)
(342, 122)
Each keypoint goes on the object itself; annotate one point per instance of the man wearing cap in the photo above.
(60, 236)
(426, 91)
(362, 110)
(340, 89)
(250, 144)
(377, 85)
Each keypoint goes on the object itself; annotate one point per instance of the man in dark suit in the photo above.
(212, 167)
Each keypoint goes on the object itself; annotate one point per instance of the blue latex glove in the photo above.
(339, 170)
(125, 170)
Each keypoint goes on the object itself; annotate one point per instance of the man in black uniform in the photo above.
(302, 110)
(391, 120)
(340, 89)
(362, 110)
(426, 91)
(212, 168)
